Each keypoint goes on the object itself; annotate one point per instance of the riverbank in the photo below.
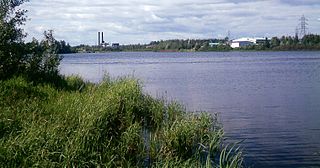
(310, 42)
(244, 49)
(110, 124)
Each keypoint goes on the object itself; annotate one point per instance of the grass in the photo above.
(111, 124)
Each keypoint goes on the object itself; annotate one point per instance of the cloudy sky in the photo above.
(141, 21)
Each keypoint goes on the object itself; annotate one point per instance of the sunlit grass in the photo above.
(111, 124)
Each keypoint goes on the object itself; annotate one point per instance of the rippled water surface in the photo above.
(271, 100)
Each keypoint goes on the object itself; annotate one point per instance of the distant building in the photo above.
(213, 44)
(261, 40)
(104, 44)
(115, 45)
(242, 42)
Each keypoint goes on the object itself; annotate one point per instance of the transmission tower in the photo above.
(303, 26)
(229, 35)
(297, 32)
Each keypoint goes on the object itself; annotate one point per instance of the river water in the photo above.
(271, 100)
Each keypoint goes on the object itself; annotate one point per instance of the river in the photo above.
(271, 100)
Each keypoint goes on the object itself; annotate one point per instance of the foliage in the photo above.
(186, 45)
(308, 42)
(63, 47)
(163, 45)
(11, 37)
(42, 61)
(285, 43)
(38, 61)
(111, 124)
(311, 40)
(92, 49)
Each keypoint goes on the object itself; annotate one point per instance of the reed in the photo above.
(110, 124)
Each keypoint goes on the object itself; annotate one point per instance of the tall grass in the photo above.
(111, 124)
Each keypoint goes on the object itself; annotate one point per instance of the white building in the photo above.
(242, 42)
(213, 44)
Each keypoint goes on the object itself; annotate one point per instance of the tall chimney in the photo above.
(98, 38)
(102, 37)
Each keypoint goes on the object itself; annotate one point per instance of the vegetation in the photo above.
(111, 124)
(188, 45)
(35, 60)
(308, 42)
(64, 47)
(288, 43)
(93, 49)
(285, 43)
(163, 45)
(11, 45)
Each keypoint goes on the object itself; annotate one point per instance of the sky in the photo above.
(142, 21)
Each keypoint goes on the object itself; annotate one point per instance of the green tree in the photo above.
(283, 41)
(266, 43)
(197, 46)
(11, 38)
(290, 41)
(275, 42)
(35, 60)
(50, 58)
(311, 40)
(296, 39)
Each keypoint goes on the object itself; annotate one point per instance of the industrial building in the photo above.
(115, 45)
(242, 42)
(102, 43)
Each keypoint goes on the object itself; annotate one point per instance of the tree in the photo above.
(283, 41)
(266, 43)
(296, 39)
(11, 37)
(197, 46)
(63, 47)
(311, 40)
(50, 58)
(35, 60)
(275, 42)
(290, 40)
(42, 60)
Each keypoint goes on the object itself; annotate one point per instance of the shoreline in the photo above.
(164, 51)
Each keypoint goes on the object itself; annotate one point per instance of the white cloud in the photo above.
(141, 21)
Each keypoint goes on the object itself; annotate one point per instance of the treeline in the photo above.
(82, 48)
(64, 47)
(188, 45)
(308, 42)
(163, 45)
(181, 45)
(288, 43)
(284, 43)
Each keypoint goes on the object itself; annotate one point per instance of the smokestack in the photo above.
(102, 37)
(98, 38)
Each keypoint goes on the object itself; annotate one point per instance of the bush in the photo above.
(42, 61)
